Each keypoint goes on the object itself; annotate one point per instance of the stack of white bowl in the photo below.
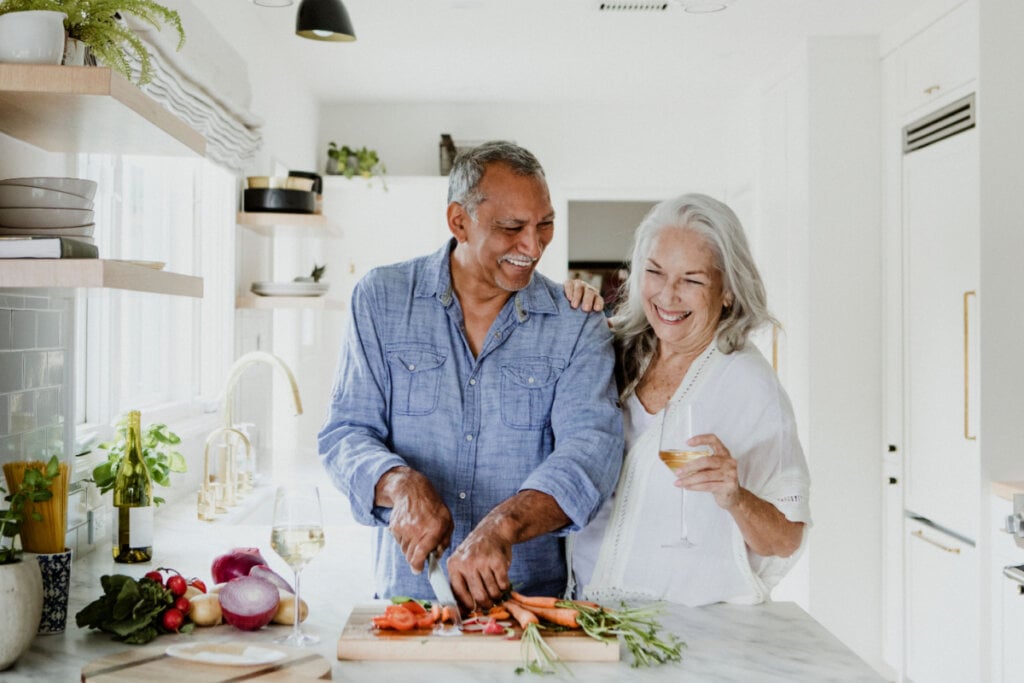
(47, 206)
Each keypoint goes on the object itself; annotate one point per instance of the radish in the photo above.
(249, 603)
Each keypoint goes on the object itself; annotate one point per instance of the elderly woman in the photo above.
(682, 329)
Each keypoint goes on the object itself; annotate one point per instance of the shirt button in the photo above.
(469, 437)
(462, 495)
(472, 382)
(529, 380)
(497, 335)
(411, 366)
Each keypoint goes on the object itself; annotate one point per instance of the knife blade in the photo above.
(443, 589)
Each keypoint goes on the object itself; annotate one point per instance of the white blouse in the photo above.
(626, 552)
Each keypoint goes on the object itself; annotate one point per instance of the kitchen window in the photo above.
(165, 355)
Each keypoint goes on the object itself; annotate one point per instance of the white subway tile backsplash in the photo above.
(35, 369)
(10, 448)
(48, 407)
(12, 371)
(23, 329)
(54, 368)
(5, 329)
(48, 329)
(22, 409)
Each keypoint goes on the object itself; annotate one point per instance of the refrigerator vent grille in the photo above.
(632, 6)
(946, 122)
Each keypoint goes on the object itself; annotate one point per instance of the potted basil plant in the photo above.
(100, 25)
(159, 451)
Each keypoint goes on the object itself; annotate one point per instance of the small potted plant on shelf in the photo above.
(158, 450)
(99, 24)
(349, 162)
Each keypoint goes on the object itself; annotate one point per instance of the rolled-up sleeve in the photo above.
(581, 471)
(353, 441)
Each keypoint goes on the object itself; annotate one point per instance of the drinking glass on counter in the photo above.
(678, 426)
(297, 536)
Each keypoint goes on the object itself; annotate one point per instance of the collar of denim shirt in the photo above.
(536, 297)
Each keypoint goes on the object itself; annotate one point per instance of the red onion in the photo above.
(262, 571)
(249, 603)
(236, 563)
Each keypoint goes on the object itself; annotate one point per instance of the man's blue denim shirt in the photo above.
(537, 409)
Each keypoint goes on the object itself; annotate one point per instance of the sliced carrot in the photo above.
(538, 601)
(521, 614)
(560, 616)
(498, 612)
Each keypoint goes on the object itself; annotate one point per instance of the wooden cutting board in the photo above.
(153, 664)
(361, 641)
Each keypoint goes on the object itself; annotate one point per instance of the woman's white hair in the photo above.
(720, 227)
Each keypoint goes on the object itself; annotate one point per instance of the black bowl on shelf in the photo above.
(279, 200)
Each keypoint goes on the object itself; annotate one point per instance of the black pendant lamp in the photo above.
(324, 20)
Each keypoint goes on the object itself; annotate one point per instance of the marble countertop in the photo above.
(770, 642)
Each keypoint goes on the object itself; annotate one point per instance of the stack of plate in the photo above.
(47, 206)
(290, 288)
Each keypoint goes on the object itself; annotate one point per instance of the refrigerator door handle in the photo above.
(967, 368)
(920, 534)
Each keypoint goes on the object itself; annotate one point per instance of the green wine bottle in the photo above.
(133, 500)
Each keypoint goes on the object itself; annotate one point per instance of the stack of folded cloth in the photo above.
(46, 217)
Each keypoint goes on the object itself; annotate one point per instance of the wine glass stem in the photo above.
(298, 610)
(682, 517)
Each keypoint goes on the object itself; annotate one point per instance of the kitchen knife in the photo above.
(443, 589)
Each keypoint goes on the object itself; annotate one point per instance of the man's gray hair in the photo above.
(469, 166)
(719, 226)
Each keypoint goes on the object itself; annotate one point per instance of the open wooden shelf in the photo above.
(271, 222)
(88, 109)
(316, 303)
(106, 273)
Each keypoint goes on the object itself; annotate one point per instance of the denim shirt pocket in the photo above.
(416, 371)
(527, 392)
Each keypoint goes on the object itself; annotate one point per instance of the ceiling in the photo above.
(552, 50)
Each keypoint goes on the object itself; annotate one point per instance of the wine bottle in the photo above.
(133, 501)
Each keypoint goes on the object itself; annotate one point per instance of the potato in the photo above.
(286, 609)
(204, 610)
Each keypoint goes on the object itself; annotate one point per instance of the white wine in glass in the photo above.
(297, 536)
(677, 427)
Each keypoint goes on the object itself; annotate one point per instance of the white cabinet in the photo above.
(942, 641)
(940, 60)
(941, 275)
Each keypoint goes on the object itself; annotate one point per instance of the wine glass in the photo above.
(678, 425)
(297, 535)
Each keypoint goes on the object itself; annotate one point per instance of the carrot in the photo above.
(560, 616)
(537, 601)
(498, 612)
(521, 614)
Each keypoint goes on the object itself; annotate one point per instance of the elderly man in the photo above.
(474, 411)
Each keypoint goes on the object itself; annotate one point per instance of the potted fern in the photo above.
(349, 162)
(100, 25)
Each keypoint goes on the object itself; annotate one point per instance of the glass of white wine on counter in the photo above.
(297, 536)
(679, 425)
